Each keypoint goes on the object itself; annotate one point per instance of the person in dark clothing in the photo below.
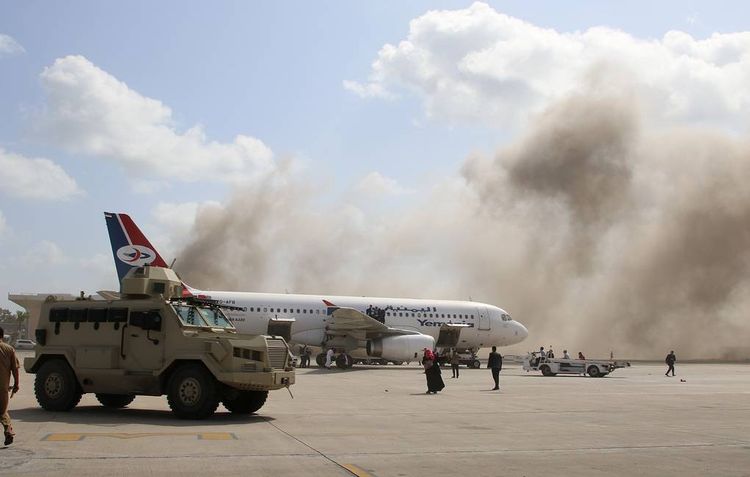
(495, 363)
(455, 361)
(670, 360)
(432, 372)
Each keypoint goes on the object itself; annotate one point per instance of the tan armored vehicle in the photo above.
(150, 340)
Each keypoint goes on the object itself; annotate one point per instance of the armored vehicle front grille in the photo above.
(277, 352)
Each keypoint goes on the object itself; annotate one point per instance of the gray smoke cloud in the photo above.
(595, 231)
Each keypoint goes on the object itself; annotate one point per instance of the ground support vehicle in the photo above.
(150, 340)
(468, 358)
(551, 367)
(24, 344)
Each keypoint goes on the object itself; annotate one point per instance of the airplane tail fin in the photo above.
(130, 247)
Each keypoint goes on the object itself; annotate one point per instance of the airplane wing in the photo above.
(348, 321)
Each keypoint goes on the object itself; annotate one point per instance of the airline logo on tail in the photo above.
(130, 247)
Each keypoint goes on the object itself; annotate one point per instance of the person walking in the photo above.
(670, 360)
(432, 372)
(455, 361)
(495, 363)
(8, 367)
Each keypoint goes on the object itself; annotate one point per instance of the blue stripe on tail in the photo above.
(117, 239)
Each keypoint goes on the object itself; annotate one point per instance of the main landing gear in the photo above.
(342, 361)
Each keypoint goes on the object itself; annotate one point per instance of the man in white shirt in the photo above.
(565, 354)
(329, 358)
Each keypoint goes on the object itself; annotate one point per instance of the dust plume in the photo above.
(597, 232)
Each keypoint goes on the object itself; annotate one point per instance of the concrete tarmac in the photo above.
(378, 421)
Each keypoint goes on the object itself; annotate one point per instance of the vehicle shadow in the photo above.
(100, 415)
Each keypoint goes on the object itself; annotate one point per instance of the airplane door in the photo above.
(484, 318)
(281, 327)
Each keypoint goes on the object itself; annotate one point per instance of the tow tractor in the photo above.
(550, 367)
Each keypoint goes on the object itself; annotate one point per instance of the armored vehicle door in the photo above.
(143, 341)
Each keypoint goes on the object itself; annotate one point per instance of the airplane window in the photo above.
(454, 315)
(442, 315)
(265, 309)
(434, 309)
(399, 314)
(419, 315)
(284, 310)
(317, 312)
(387, 313)
(298, 311)
(304, 310)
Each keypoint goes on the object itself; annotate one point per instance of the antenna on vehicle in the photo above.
(172, 264)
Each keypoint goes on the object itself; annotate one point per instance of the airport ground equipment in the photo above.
(551, 367)
(469, 358)
(151, 340)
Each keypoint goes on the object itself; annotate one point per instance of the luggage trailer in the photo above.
(551, 367)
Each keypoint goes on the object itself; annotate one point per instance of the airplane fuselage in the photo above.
(483, 325)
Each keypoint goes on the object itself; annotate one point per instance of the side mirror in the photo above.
(147, 320)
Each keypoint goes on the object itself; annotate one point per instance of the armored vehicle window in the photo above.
(215, 317)
(58, 315)
(77, 316)
(189, 315)
(117, 315)
(98, 315)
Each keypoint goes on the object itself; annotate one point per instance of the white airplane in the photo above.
(394, 329)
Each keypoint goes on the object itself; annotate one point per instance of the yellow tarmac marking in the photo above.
(359, 472)
(79, 436)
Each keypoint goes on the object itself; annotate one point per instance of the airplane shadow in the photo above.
(100, 415)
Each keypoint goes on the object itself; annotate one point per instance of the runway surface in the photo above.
(378, 421)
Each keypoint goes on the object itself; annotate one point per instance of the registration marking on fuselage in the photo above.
(79, 436)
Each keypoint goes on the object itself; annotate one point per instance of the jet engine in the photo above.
(400, 348)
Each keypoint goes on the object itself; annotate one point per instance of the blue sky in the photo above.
(271, 71)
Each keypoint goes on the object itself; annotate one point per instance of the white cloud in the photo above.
(477, 64)
(41, 179)
(9, 46)
(376, 184)
(45, 253)
(367, 90)
(88, 111)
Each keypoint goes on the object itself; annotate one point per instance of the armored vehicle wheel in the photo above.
(476, 364)
(593, 371)
(115, 400)
(56, 387)
(546, 370)
(192, 392)
(321, 359)
(245, 402)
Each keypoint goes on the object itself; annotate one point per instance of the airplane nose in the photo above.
(521, 332)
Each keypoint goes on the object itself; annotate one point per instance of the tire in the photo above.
(115, 401)
(546, 371)
(245, 402)
(344, 361)
(398, 363)
(593, 371)
(192, 392)
(476, 364)
(320, 359)
(56, 387)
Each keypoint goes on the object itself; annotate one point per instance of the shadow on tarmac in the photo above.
(100, 415)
